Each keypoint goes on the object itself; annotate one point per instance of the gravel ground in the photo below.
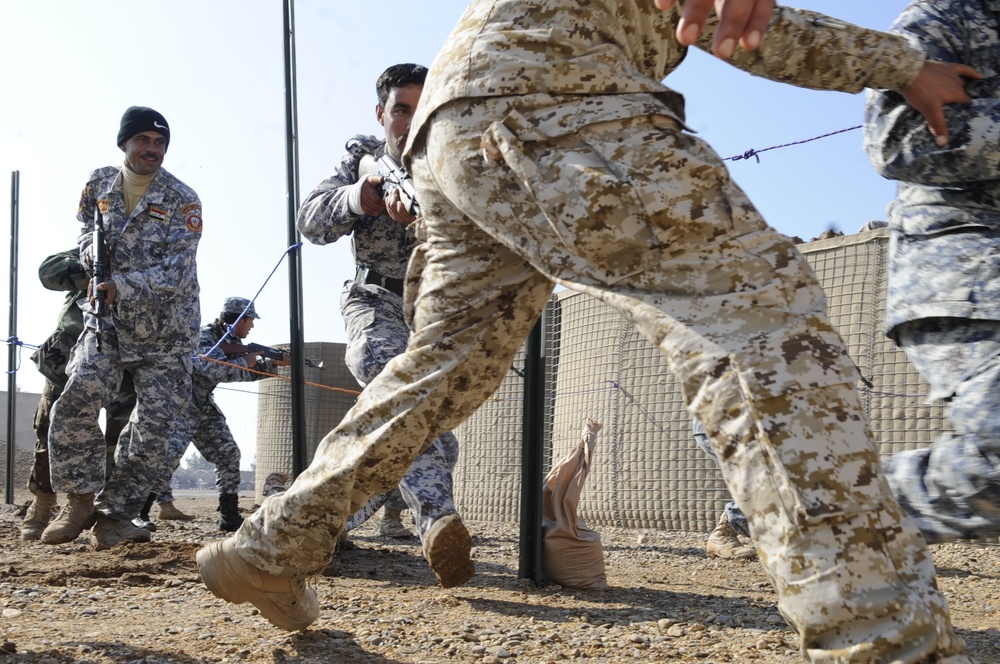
(145, 604)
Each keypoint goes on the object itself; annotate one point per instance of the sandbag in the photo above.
(572, 554)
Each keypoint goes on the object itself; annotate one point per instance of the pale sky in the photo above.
(214, 69)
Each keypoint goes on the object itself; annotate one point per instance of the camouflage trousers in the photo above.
(734, 515)
(376, 333)
(206, 428)
(76, 443)
(952, 487)
(518, 195)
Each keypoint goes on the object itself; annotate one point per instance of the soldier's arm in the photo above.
(898, 140)
(326, 215)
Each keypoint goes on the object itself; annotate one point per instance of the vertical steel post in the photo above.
(12, 350)
(532, 455)
(300, 457)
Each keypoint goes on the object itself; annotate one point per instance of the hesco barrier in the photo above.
(647, 471)
(324, 409)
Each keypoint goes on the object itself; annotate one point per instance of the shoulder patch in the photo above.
(192, 208)
(103, 205)
(193, 222)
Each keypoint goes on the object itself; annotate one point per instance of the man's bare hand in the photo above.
(740, 21)
(937, 84)
(109, 288)
(285, 360)
(397, 208)
(371, 196)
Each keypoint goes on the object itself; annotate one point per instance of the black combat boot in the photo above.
(142, 521)
(229, 508)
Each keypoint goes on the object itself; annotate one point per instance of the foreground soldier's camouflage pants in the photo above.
(76, 444)
(645, 218)
(952, 488)
(206, 428)
(376, 333)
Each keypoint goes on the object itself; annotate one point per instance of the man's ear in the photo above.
(379, 111)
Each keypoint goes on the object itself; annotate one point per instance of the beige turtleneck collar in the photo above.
(134, 186)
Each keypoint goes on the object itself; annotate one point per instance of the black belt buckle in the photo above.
(370, 276)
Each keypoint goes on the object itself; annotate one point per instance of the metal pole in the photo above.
(15, 186)
(300, 456)
(532, 455)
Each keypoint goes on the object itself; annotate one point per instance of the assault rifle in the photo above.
(100, 297)
(239, 350)
(397, 177)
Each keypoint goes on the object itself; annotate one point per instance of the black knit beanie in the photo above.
(138, 119)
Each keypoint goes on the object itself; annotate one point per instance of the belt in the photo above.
(366, 275)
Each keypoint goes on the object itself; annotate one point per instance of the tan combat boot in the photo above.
(286, 603)
(110, 532)
(169, 512)
(37, 517)
(725, 543)
(448, 551)
(392, 525)
(76, 516)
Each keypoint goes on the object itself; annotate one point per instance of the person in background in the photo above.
(546, 150)
(362, 199)
(152, 224)
(943, 296)
(202, 423)
(63, 272)
(724, 542)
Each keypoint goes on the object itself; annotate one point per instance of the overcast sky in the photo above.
(68, 70)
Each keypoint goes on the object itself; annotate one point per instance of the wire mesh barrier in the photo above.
(647, 471)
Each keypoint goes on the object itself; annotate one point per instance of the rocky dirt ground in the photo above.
(145, 604)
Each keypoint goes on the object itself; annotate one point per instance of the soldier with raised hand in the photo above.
(943, 298)
(152, 225)
(547, 150)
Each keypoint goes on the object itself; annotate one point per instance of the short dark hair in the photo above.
(398, 76)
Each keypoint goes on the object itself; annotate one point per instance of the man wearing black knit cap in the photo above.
(152, 223)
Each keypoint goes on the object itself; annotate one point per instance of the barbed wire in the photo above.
(756, 153)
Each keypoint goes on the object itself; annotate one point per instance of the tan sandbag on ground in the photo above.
(572, 554)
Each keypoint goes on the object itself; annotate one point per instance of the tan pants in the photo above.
(645, 218)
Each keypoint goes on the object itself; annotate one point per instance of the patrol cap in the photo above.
(138, 119)
(236, 305)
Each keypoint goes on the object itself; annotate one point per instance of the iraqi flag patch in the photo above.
(156, 214)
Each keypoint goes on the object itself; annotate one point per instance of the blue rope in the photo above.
(229, 328)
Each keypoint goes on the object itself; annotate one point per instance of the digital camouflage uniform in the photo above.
(376, 325)
(63, 272)
(202, 422)
(943, 301)
(546, 150)
(150, 333)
